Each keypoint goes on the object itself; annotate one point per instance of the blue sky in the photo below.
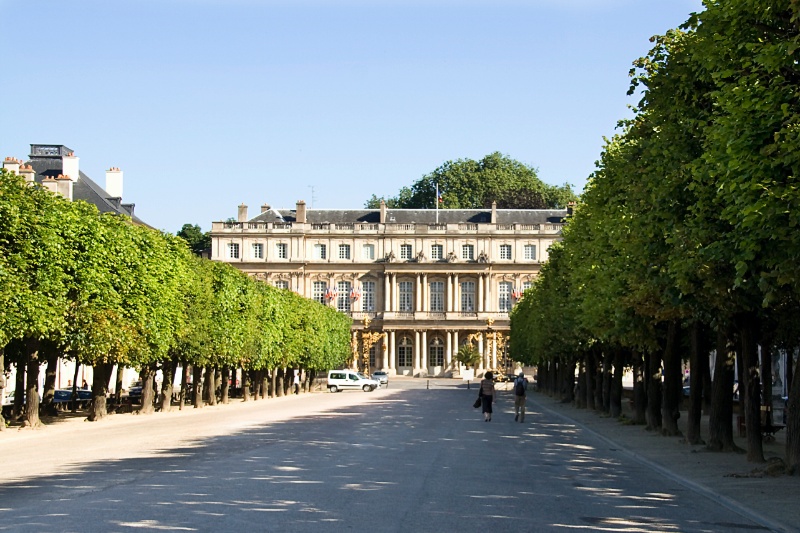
(206, 104)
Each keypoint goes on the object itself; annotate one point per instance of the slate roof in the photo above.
(84, 188)
(416, 216)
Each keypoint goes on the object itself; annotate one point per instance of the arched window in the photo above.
(436, 352)
(405, 352)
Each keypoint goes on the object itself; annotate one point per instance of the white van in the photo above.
(339, 380)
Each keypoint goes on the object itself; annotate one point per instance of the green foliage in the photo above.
(197, 240)
(468, 184)
(468, 355)
(108, 291)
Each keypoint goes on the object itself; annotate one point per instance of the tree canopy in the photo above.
(469, 184)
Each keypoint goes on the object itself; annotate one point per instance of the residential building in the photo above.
(421, 281)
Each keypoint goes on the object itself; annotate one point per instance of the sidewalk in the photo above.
(727, 478)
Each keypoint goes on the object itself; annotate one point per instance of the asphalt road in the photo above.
(405, 458)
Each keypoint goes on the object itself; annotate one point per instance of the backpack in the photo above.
(519, 387)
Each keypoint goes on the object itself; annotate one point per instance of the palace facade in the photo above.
(418, 283)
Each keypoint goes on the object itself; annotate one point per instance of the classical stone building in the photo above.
(418, 283)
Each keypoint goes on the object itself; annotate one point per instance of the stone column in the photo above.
(392, 351)
(482, 352)
(418, 295)
(416, 352)
(456, 293)
(449, 294)
(455, 348)
(387, 293)
(426, 294)
(448, 350)
(425, 364)
(395, 296)
(481, 281)
(384, 346)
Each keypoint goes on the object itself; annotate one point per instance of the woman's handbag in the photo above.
(478, 402)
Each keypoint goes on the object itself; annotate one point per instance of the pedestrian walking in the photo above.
(296, 382)
(520, 394)
(488, 395)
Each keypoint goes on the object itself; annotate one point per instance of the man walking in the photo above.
(520, 392)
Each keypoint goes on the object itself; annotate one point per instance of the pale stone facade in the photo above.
(426, 281)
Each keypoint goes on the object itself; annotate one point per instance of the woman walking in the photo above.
(487, 394)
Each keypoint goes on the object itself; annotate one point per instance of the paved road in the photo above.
(399, 459)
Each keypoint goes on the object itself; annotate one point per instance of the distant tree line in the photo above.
(96, 289)
(686, 238)
(468, 184)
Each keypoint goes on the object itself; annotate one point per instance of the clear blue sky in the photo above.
(206, 104)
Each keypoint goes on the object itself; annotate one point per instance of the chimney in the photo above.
(11, 164)
(242, 213)
(64, 186)
(570, 208)
(383, 212)
(300, 214)
(494, 213)
(114, 182)
(69, 166)
(27, 172)
(50, 184)
(265, 208)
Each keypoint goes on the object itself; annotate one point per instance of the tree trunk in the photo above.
(197, 386)
(606, 382)
(580, 389)
(226, 380)
(184, 385)
(653, 392)
(766, 379)
(264, 376)
(793, 416)
(98, 409)
(117, 385)
(639, 390)
(695, 411)
(165, 399)
(279, 385)
(615, 396)
(148, 394)
(48, 406)
(74, 396)
(245, 385)
(752, 389)
(32, 386)
(720, 417)
(590, 372)
(568, 379)
(3, 385)
(211, 393)
(19, 391)
(673, 383)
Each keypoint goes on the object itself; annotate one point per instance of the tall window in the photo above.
(437, 252)
(372, 356)
(467, 296)
(504, 293)
(344, 251)
(343, 299)
(282, 284)
(368, 295)
(406, 303)
(233, 250)
(258, 250)
(505, 251)
(406, 251)
(530, 252)
(436, 352)
(318, 292)
(467, 252)
(320, 251)
(368, 251)
(281, 250)
(437, 296)
(405, 352)
(526, 285)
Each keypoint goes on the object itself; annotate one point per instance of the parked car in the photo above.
(381, 377)
(339, 380)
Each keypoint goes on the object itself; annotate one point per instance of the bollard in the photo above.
(428, 384)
